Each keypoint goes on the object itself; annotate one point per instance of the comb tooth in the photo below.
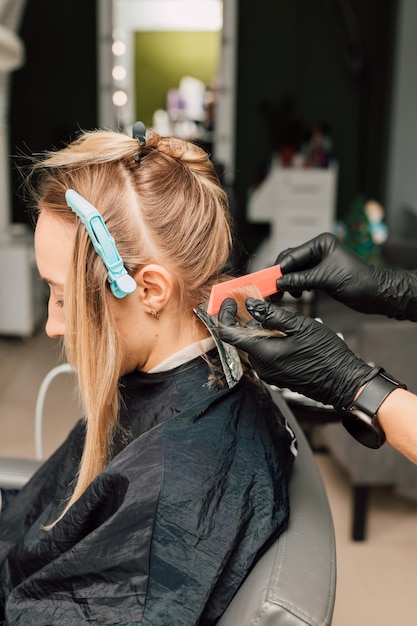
(265, 280)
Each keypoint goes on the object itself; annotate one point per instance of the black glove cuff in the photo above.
(360, 419)
(397, 293)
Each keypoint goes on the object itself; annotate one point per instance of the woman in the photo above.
(158, 503)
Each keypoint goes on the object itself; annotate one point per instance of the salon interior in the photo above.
(308, 110)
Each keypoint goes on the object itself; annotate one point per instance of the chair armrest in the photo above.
(15, 473)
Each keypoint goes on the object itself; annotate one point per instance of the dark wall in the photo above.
(333, 60)
(55, 92)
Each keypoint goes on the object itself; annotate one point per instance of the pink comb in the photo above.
(265, 280)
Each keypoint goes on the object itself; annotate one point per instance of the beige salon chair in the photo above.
(294, 582)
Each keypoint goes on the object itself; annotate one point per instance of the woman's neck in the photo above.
(171, 340)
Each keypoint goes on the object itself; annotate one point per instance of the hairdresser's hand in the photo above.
(311, 359)
(325, 263)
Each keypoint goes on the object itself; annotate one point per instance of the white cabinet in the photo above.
(298, 203)
(22, 295)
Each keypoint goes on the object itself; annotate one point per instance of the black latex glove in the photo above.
(311, 359)
(325, 263)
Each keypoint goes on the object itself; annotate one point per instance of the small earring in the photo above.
(155, 314)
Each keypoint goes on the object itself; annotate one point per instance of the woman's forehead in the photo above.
(54, 239)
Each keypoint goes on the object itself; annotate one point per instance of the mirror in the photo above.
(170, 63)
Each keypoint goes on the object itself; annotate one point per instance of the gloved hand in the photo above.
(325, 263)
(311, 359)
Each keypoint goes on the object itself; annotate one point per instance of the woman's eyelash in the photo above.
(59, 303)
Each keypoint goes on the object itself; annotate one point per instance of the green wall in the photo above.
(163, 58)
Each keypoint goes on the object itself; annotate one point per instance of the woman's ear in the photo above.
(155, 287)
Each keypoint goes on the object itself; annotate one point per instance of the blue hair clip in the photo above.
(121, 283)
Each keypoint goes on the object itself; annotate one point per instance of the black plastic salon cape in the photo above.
(167, 532)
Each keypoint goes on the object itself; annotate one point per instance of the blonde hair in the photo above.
(166, 207)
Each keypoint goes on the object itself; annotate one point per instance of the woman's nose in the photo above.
(55, 324)
(54, 330)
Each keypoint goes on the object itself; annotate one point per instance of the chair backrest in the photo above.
(294, 582)
(64, 368)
